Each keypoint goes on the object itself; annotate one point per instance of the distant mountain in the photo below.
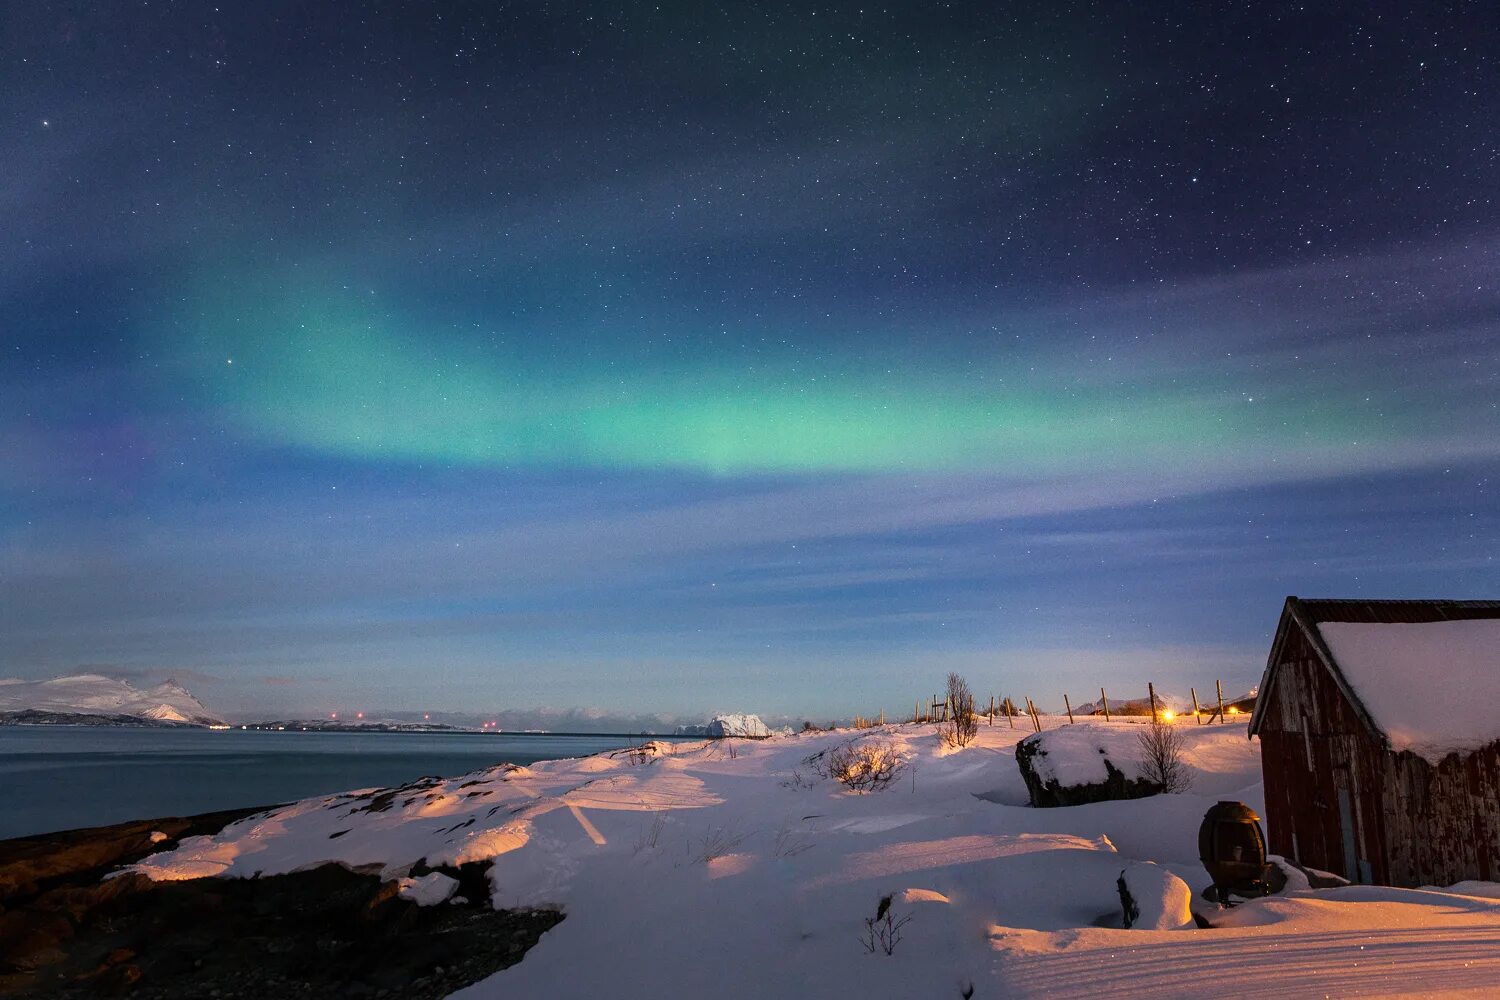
(102, 697)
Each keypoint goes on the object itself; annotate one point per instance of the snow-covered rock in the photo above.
(737, 724)
(94, 694)
(427, 890)
(1074, 765)
(1153, 898)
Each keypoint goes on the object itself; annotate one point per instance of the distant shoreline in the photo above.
(370, 730)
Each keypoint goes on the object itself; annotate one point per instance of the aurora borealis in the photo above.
(767, 357)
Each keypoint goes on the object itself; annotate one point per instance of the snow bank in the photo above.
(1154, 899)
(1431, 687)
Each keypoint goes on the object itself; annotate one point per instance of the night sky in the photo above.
(684, 357)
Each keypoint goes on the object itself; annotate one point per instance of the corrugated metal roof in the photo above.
(1391, 612)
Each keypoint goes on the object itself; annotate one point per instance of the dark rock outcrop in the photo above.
(67, 932)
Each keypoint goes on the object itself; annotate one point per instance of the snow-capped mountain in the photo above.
(93, 694)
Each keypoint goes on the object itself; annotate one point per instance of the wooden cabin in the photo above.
(1379, 724)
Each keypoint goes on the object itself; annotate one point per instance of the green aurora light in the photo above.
(339, 380)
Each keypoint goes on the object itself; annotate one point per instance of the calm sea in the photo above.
(64, 777)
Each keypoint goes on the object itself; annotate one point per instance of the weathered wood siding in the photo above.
(1443, 823)
(1412, 823)
(1313, 745)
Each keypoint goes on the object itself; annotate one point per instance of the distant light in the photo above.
(1167, 715)
(359, 715)
(333, 715)
(1234, 710)
(425, 716)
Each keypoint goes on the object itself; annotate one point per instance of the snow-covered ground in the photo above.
(735, 867)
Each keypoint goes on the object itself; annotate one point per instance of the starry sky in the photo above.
(678, 358)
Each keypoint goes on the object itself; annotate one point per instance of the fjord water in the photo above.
(64, 777)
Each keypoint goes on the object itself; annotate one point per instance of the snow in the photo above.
(1431, 687)
(733, 867)
(427, 890)
(1161, 901)
(94, 694)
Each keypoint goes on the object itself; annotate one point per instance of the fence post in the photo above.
(1220, 686)
(1196, 717)
(1105, 699)
(1069, 706)
(1152, 688)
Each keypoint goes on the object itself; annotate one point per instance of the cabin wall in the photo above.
(1443, 823)
(1322, 771)
(1409, 823)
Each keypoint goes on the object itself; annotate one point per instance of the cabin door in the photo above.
(1346, 827)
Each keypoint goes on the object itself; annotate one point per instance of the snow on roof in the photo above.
(1431, 687)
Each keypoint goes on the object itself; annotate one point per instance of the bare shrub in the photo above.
(1162, 745)
(717, 842)
(883, 930)
(962, 725)
(652, 833)
(864, 766)
(796, 780)
(789, 844)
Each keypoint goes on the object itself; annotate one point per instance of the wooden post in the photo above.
(1152, 688)
(992, 710)
(1010, 711)
(1196, 717)
(1069, 706)
(1036, 719)
(1105, 699)
(1220, 686)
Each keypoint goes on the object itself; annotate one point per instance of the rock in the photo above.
(321, 931)
(737, 725)
(1154, 899)
(1063, 767)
